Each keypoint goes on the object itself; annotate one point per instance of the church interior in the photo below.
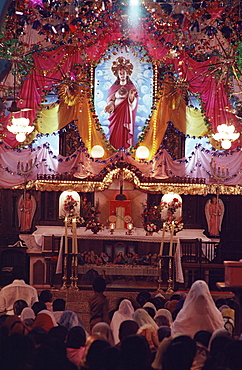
(120, 142)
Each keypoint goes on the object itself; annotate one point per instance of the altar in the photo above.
(138, 234)
(47, 241)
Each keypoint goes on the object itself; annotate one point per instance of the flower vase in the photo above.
(95, 231)
(149, 233)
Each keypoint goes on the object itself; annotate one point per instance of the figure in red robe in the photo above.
(26, 210)
(214, 210)
(122, 105)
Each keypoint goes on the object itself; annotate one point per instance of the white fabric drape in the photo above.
(196, 165)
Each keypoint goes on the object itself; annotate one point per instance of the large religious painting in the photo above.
(123, 94)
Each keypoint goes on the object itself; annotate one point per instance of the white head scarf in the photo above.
(124, 312)
(142, 317)
(27, 313)
(199, 312)
(166, 313)
(104, 328)
(151, 305)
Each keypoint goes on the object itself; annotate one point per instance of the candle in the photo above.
(171, 241)
(130, 226)
(73, 235)
(162, 239)
(112, 226)
(76, 243)
(66, 237)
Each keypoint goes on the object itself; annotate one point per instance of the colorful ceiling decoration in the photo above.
(195, 48)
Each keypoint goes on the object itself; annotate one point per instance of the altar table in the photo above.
(126, 270)
(138, 235)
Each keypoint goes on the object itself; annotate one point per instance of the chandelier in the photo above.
(20, 127)
(226, 135)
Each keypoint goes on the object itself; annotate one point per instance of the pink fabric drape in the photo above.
(213, 95)
(51, 65)
(196, 165)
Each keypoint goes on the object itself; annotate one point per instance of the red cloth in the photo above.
(43, 321)
(122, 120)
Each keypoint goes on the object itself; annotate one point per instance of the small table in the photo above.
(237, 290)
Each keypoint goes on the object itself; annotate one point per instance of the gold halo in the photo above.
(124, 63)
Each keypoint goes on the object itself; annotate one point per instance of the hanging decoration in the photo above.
(200, 40)
(20, 127)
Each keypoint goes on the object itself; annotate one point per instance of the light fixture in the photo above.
(130, 228)
(226, 135)
(20, 127)
(97, 151)
(112, 227)
(142, 152)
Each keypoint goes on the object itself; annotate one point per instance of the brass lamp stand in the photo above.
(170, 280)
(72, 257)
(159, 288)
(74, 273)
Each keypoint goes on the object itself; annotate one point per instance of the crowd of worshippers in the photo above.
(131, 258)
(187, 332)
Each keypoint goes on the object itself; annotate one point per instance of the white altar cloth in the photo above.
(138, 234)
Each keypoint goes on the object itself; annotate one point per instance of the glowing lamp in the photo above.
(142, 152)
(20, 127)
(226, 144)
(226, 135)
(97, 151)
(112, 227)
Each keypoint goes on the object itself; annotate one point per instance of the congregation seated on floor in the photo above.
(186, 332)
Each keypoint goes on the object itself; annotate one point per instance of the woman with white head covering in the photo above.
(199, 312)
(150, 305)
(103, 328)
(142, 317)
(124, 312)
(27, 316)
(163, 312)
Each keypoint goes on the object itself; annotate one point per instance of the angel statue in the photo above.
(214, 211)
(26, 211)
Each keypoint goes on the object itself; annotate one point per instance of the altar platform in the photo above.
(45, 249)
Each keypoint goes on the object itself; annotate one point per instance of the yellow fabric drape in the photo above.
(195, 123)
(158, 123)
(47, 121)
(83, 115)
(170, 107)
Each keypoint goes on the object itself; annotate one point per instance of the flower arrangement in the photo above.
(177, 225)
(171, 220)
(173, 206)
(151, 218)
(69, 205)
(93, 222)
